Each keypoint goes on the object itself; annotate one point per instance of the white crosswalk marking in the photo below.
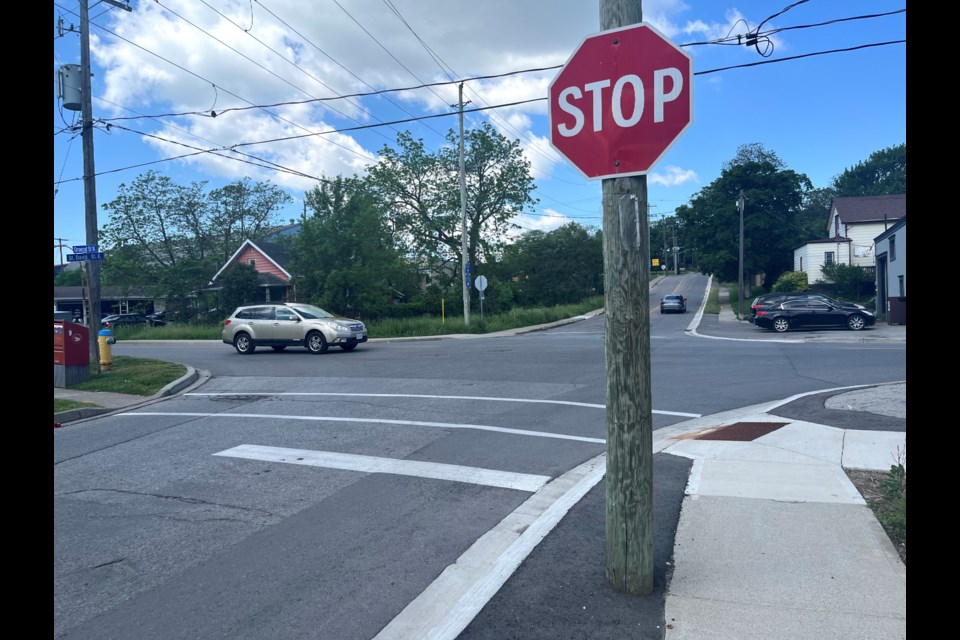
(373, 464)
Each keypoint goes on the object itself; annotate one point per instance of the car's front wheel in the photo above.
(781, 324)
(856, 322)
(316, 343)
(243, 344)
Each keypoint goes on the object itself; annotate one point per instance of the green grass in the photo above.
(136, 376)
(713, 300)
(185, 331)
(60, 405)
(513, 319)
(390, 327)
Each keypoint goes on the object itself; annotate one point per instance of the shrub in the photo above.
(791, 281)
(849, 280)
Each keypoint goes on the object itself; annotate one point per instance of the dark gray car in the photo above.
(673, 304)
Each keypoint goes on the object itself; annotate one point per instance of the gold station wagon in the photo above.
(280, 325)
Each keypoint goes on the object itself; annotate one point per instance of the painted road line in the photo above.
(569, 403)
(445, 608)
(374, 464)
(411, 423)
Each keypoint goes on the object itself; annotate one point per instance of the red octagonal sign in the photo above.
(624, 96)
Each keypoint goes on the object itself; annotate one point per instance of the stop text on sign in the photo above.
(621, 102)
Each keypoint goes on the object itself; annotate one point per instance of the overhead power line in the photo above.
(509, 104)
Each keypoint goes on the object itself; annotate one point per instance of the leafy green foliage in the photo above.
(71, 278)
(849, 281)
(791, 281)
(420, 192)
(773, 217)
(558, 267)
(346, 257)
(896, 481)
(892, 511)
(240, 286)
(168, 239)
(883, 173)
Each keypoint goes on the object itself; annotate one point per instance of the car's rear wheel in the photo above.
(243, 344)
(781, 324)
(279, 347)
(856, 322)
(350, 346)
(316, 343)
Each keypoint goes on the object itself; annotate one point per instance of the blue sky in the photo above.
(265, 65)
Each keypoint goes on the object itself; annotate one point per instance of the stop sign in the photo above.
(620, 101)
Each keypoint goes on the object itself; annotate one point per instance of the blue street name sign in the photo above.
(84, 248)
(83, 257)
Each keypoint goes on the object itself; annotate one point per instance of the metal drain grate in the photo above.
(742, 431)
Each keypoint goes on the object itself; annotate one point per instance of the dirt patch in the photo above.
(873, 486)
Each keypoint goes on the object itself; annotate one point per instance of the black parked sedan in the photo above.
(804, 313)
(118, 319)
(774, 299)
(673, 303)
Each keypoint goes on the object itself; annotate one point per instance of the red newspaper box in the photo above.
(71, 353)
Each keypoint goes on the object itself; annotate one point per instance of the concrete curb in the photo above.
(192, 378)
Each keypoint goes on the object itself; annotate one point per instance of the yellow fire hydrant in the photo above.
(105, 338)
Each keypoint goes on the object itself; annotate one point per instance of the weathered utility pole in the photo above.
(89, 173)
(629, 416)
(89, 180)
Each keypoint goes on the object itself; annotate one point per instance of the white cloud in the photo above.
(548, 221)
(674, 176)
(181, 56)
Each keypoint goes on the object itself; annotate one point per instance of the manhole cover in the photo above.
(742, 431)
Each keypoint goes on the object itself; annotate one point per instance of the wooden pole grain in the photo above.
(629, 415)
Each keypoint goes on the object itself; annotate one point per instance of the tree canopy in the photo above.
(772, 218)
(883, 173)
(170, 239)
(345, 256)
(556, 267)
(421, 194)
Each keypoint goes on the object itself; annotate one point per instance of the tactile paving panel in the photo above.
(742, 431)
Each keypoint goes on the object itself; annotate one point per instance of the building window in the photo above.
(252, 262)
(903, 291)
(828, 257)
(893, 247)
(801, 264)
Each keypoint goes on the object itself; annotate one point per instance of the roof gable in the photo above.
(865, 209)
(251, 245)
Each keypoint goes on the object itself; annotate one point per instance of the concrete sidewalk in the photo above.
(774, 540)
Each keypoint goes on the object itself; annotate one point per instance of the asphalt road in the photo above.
(296, 495)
